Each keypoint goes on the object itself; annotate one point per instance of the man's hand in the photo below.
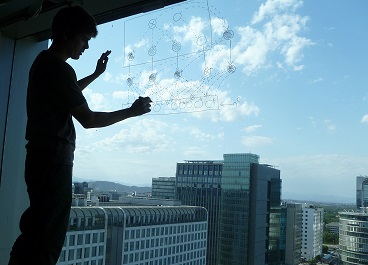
(141, 106)
(102, 63)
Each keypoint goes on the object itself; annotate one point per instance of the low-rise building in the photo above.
(136, 235)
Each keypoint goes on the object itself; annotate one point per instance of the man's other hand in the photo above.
(141, 106)
(102, 63)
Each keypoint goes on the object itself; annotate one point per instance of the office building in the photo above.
(199, 183)
(353, 238)
(361, 192)
(80, 188)
(243, 223)
(249, 212)
(291, 233)
(312, 231)
(333, 227)
(136, 235)
(164, 188)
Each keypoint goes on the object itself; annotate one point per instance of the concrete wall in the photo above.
(16, 57)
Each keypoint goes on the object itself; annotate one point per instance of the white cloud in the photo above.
(141, 43)
(255, 141)
(107, 76)
(252, 128)
(232, 112)
(192, 33)
(272, 7)
(143, 136)
(317, 80)
(96, 101)
(364, 119)
(120, 94)
(200, 136)
(228, 110)
(258, 43)
(219, 26)
(330, 126)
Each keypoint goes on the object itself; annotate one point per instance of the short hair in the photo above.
(71, 21)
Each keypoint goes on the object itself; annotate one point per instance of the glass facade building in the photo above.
(291, 233)
(234, 208)
(361, 192)
(264, 215)
(164, 188)
(243, 202)
(199, 183)
(353, 238)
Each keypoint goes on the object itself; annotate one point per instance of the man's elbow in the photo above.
(87, 123)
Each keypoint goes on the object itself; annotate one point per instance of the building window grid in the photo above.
(176, 250)
(78, 247)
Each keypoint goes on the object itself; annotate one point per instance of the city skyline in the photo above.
(296, 96)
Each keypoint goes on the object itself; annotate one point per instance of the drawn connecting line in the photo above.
(179, 75)
(183, 105)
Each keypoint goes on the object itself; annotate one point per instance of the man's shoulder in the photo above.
(50, 63)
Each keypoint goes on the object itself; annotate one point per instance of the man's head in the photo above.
(71, 21)
(73, 27)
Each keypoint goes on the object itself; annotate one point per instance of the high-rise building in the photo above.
(199, 183)
(291, 233)
(312, 231)
(353, 238)
(361, 192)
(136, 235)
(249, 212)
(80, 188)
(164, 188)
(243, 203)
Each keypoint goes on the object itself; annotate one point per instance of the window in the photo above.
(275, 74)
(71, 240)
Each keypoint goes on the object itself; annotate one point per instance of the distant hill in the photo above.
(109, 186)
(317, 197)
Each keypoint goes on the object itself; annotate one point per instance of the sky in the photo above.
(283, 79)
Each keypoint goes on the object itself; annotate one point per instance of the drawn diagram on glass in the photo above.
(178, 56)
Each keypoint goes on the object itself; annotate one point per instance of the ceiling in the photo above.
(33, 18)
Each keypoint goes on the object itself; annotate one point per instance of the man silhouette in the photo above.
(54, 96)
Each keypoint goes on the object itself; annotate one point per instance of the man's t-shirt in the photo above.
(52, 92)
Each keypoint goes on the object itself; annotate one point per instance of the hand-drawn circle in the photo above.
(152, 77)
(210, 104)
(152, 23)
(207, 71)
(182, 104)
(177, 17)
(231, 68)
(129, 81)
(201, 40)
(174, 106)
(130, 56)
(228, 34)
(178, 74)
(156, 107)
(189, 104)
(199, 103)
(176, 46)
(152, 50)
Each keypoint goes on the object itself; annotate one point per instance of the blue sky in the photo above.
(284, 79)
